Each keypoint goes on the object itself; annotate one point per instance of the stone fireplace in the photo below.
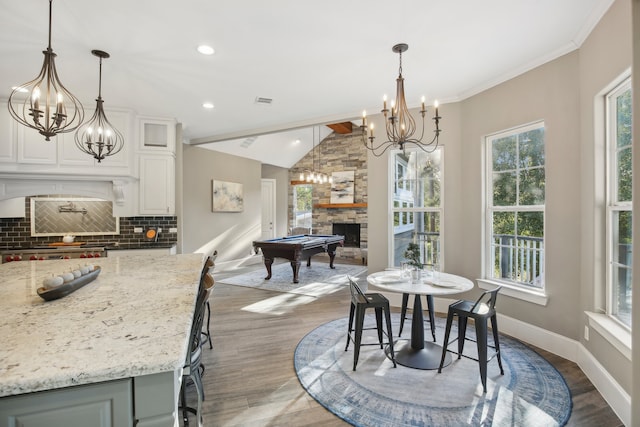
(351, 233)
(337, 153)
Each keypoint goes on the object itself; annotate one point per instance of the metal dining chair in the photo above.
(481, 311)
(360, 302)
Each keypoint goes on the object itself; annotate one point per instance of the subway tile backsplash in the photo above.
(16, 232)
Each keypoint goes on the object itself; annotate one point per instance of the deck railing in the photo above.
(519, 258)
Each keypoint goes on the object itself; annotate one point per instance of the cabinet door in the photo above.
(157, 185)
(107, 404)
(70, 154)
(32, 147)
(157, 135)
(7, 135)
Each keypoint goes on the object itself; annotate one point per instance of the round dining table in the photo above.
(420, 354)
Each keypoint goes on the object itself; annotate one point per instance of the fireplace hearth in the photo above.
(350, 231)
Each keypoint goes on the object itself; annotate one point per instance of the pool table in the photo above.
(296, 248)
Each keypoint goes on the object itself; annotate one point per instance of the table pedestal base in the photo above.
(425, 358)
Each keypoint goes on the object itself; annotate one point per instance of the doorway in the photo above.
(268, 209)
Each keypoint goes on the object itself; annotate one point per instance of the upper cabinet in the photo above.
(23, 149)
(141, 175)
(157, 135)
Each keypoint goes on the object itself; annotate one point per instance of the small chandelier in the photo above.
(400, 125)
(311, 175)
(97, 137)
(50, 113)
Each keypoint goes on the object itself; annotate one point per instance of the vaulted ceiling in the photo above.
(319, 62)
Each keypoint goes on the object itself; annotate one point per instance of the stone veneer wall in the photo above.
(337, 152)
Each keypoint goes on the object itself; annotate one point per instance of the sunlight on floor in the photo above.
(280, 304)
(286, 301)
(519, 408)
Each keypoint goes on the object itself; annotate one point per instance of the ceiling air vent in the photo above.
(261, 100)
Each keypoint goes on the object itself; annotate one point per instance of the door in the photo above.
(268, 209)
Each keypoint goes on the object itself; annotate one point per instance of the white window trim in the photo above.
(611, 330)
(611, 204)
(512, 289)
(534, 296)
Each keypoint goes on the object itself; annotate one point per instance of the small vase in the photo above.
(416, 275)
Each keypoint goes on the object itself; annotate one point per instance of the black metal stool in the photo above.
(480, 311)
(359, 304)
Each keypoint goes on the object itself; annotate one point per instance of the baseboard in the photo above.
(616, 397)
(611, 391)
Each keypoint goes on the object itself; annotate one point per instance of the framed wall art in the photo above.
(226, 196)
(342, 187)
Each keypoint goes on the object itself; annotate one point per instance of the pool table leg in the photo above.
(267, 263)
(331, 250)
(295, 266)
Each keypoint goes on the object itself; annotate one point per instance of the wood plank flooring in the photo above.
(250, 379)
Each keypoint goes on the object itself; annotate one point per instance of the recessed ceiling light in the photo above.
(208, 105)
(296, 142)
(205, 49)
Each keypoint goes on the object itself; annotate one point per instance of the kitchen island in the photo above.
(111, 353)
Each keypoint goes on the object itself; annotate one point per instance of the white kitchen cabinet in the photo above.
(70, 155)
(157, 184)
(7, 135)
(157, 135)
(34, 149)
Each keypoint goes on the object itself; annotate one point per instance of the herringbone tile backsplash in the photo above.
(73, 216)
(16, 232)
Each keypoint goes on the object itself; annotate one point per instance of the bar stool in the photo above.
(480, 311)
(193, 367)
(359, 304)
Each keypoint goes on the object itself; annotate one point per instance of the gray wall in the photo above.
(230, 233)
(562, 93)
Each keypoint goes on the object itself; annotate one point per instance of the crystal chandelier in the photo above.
(97, 137)
(311, 175)
(400, 125)
(52, 112)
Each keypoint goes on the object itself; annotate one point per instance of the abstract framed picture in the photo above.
(226, 196)
(342, 187)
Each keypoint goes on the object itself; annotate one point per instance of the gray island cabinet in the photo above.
(109, 354)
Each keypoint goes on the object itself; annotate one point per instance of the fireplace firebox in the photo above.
(351, 233)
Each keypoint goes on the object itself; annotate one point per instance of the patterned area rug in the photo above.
(531, 392)
(314, 281)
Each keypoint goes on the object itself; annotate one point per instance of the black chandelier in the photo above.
(400, 125)
(52, 112)
(97, 137)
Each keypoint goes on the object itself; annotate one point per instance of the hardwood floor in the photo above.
(250, 379)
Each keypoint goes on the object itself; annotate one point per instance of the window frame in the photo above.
(613, 206)
(409, 212)
(512, 288)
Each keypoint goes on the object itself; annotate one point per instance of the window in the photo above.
(417, 204)
(619, 210)
(515, 207)
(302, 204)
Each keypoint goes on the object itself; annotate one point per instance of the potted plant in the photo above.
(412, 255)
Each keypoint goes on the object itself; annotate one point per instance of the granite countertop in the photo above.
(133, 320)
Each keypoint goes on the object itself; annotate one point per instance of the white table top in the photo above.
(435, 284)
